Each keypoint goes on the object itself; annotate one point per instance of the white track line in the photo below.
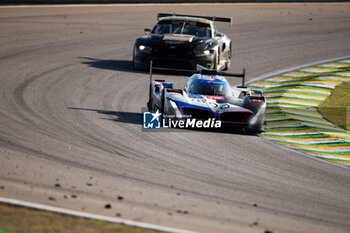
(91, 216)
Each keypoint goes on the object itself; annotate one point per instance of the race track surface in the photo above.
(70, 122)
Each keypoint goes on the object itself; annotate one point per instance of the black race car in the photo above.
(182, 42)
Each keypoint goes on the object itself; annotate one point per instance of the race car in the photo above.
(183, 41)
(208, 95)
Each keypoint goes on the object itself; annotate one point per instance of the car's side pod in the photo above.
(254, 103)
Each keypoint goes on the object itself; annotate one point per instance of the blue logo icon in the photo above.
(151, 120)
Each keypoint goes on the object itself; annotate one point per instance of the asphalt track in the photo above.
(70, 117)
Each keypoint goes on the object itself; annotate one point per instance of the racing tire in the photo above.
(255, 131)
(228, 59)
(217, 60)
(162, 102)
(162, 105)
(227, 64)
(149, 103)
(134, 64)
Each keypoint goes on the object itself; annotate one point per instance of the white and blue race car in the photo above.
(208, 95)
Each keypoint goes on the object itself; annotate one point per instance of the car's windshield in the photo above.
(209, 87)
(182, 27)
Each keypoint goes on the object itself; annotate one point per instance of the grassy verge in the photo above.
(14, 219)
(336, 108)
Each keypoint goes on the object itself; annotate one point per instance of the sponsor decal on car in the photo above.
(215, 97)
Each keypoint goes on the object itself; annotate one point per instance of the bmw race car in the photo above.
(183, 41)
(208, 95)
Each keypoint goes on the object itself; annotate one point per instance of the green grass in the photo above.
(336, 108)
(14, 219)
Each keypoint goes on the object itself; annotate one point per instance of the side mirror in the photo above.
(219, 34)
(147, 31)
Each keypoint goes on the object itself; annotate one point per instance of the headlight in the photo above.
(224, 106)
(215, 105)
(145, 48)
(204, 53)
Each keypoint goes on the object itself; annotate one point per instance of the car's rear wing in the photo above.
(200, 70)
(212, 18)
(238, 75)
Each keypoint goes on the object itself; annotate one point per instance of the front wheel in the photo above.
(227, 65)
(216, 60)
(135, 66)
(228, 59)
(149, 103)
(162, 108)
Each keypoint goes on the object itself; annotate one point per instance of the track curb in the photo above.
(293, 121)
